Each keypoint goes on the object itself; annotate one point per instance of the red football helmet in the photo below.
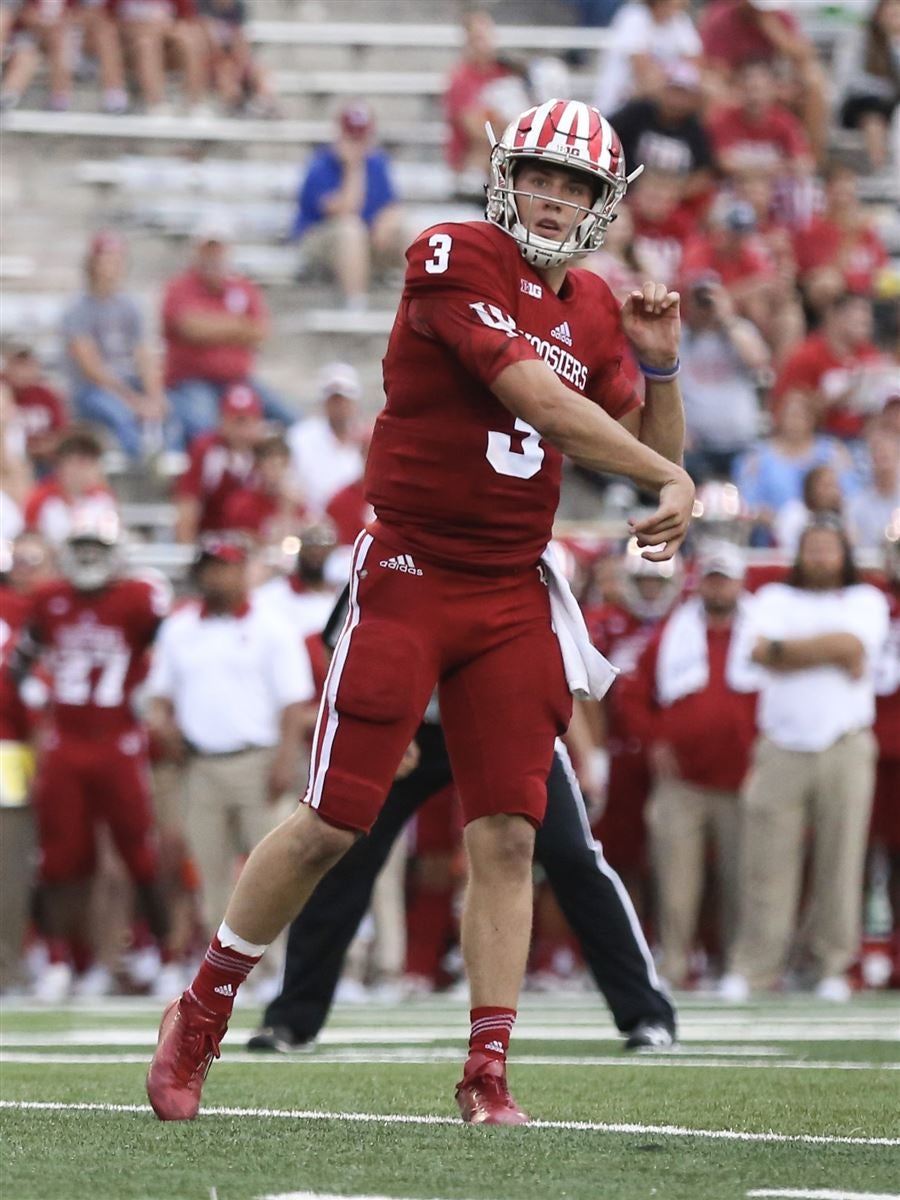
(564, 133)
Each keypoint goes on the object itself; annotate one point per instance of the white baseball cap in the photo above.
(721, 558)
(338, 379)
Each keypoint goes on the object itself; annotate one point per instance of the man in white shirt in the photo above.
(326, 448)
(230, 694)
(816, 639)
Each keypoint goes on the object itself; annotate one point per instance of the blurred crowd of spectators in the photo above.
(129, 46)
(743, 719)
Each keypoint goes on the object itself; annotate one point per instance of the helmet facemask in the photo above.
(509, 207)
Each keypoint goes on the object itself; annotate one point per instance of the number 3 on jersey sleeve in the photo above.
(441, 243)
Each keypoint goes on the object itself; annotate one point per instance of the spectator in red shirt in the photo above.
(221, 463)
(467, 147)
(734, 31)
(734, 251)
(831, 365)
(41, 409)
(77, 488)
(662, 227)
(757, 133)
(698, 721)
(840, 250)
(269, 506)
(213, 323)
(350, 511)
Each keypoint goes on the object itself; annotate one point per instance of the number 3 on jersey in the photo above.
(441, 243)
(521, 464)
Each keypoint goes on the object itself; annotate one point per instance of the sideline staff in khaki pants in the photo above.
(817, 638)
(698, 720)
(230, 688)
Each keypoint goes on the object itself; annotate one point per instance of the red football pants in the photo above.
(485, 641)
(82, 783)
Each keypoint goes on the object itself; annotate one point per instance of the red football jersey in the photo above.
(14, 722)
(96, 644)
(215, 472)
(452, 474)
(620, 636)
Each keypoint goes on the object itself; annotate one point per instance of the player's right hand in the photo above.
(667, 527)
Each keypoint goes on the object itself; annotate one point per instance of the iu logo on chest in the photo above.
(553, 347)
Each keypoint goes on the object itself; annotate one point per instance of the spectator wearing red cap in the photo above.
(269, 506)
(114, 375)
(221, 462)
(42, 412)
(214, 321)
(347, 211)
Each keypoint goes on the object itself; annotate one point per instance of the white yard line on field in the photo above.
(886, 1029)
(820, 1194)
(727, 1135)
(413, 1058)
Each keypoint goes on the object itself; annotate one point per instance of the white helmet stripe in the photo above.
(570, 115)
(584, 121)
(541, 113)
(604, 160)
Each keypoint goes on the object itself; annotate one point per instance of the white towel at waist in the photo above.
(588, 673)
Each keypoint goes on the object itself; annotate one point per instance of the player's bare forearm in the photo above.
(578, 427)
(662, 420)
(591, 438)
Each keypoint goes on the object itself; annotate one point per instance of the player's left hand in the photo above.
(652, 323)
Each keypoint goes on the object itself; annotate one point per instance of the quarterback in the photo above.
(501, 360)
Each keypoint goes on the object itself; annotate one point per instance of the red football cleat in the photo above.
(189, 1037)
(483, 1094)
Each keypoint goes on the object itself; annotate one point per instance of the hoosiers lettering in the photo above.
(566, 365)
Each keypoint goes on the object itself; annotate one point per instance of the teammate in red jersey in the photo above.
(501, 360)
(620, 631)
(93, 629)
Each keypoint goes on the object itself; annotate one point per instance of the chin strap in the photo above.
(491, 136)
(634, 174)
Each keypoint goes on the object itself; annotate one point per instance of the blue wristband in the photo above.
(661, 375)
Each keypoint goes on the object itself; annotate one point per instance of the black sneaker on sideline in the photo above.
(650, 1035)
(278, 1039)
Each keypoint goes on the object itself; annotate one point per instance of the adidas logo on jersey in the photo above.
(562, 333)
(402, 562)
(224, 989)
(497, 1047)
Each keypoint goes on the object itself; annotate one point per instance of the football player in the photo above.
(92, 629)
(501, 360)
(621, 631)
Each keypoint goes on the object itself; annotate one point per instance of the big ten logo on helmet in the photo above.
(566, 365)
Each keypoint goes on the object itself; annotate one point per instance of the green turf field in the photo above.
(791, 1098)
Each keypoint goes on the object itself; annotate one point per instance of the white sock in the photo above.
(229, 939)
